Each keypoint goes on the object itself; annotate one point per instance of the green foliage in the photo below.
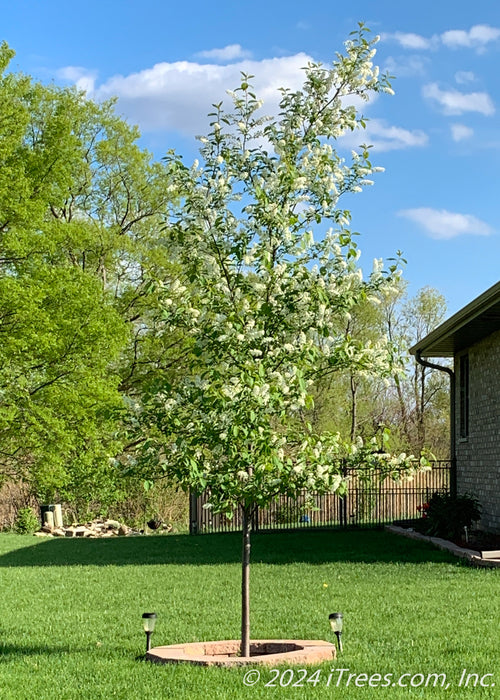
(26, 522)
(81, 207)
(447, 515)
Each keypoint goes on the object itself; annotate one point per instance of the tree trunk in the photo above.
(245, 582)
(354, 414)
(402, 407)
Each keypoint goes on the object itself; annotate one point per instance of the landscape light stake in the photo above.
(336, 623)
(148, 621)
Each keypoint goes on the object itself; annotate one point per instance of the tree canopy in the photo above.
(259, 297)
(81, 206)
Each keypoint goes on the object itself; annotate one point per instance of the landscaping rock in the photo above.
(96, 528)
(113, 524)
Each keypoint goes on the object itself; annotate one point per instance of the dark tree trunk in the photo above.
(354, 413)
(245, 581)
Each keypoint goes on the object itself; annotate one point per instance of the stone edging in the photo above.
(263, 651)
(451, 547)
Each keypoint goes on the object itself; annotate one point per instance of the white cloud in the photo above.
(384, 137)
(455, 102)
(409, 40)
(460, 132)
(177, 96)
(83, 79)
(444, 225)
(228, 53)
(477, 37)
(464, 76)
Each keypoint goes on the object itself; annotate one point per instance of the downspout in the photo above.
(453, 454)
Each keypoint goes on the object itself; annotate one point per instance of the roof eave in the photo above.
(441, 342)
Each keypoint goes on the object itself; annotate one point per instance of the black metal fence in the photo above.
(370, 501)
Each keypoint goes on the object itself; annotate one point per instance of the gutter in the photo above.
(453, 455)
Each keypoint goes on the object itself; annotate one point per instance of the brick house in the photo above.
(472, 338)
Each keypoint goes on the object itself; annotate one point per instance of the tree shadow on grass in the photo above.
(314, 547)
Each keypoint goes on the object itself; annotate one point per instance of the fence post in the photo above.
(193, 513)
(255, 519)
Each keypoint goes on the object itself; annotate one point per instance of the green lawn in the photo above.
(70, 614)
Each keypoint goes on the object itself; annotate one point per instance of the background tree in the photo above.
(420, 411)
(345, 400)
(263, 302)
(411, 403)
(430, 393)
(81, 211)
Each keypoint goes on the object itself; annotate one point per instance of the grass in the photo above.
(70, 613)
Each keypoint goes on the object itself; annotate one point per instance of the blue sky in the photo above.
(438, 138)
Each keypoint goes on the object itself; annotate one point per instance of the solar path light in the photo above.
(336, 623)
(148, 621)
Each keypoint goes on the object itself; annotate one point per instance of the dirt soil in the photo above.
(480, 541)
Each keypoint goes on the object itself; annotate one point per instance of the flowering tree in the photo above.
(260, 299)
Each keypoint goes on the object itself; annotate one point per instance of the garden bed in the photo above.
(478, 557)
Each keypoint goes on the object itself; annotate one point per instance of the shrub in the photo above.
(26, 522)
(294, 511)
(446, 515)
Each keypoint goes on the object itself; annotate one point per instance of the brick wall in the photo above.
(478, 455)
